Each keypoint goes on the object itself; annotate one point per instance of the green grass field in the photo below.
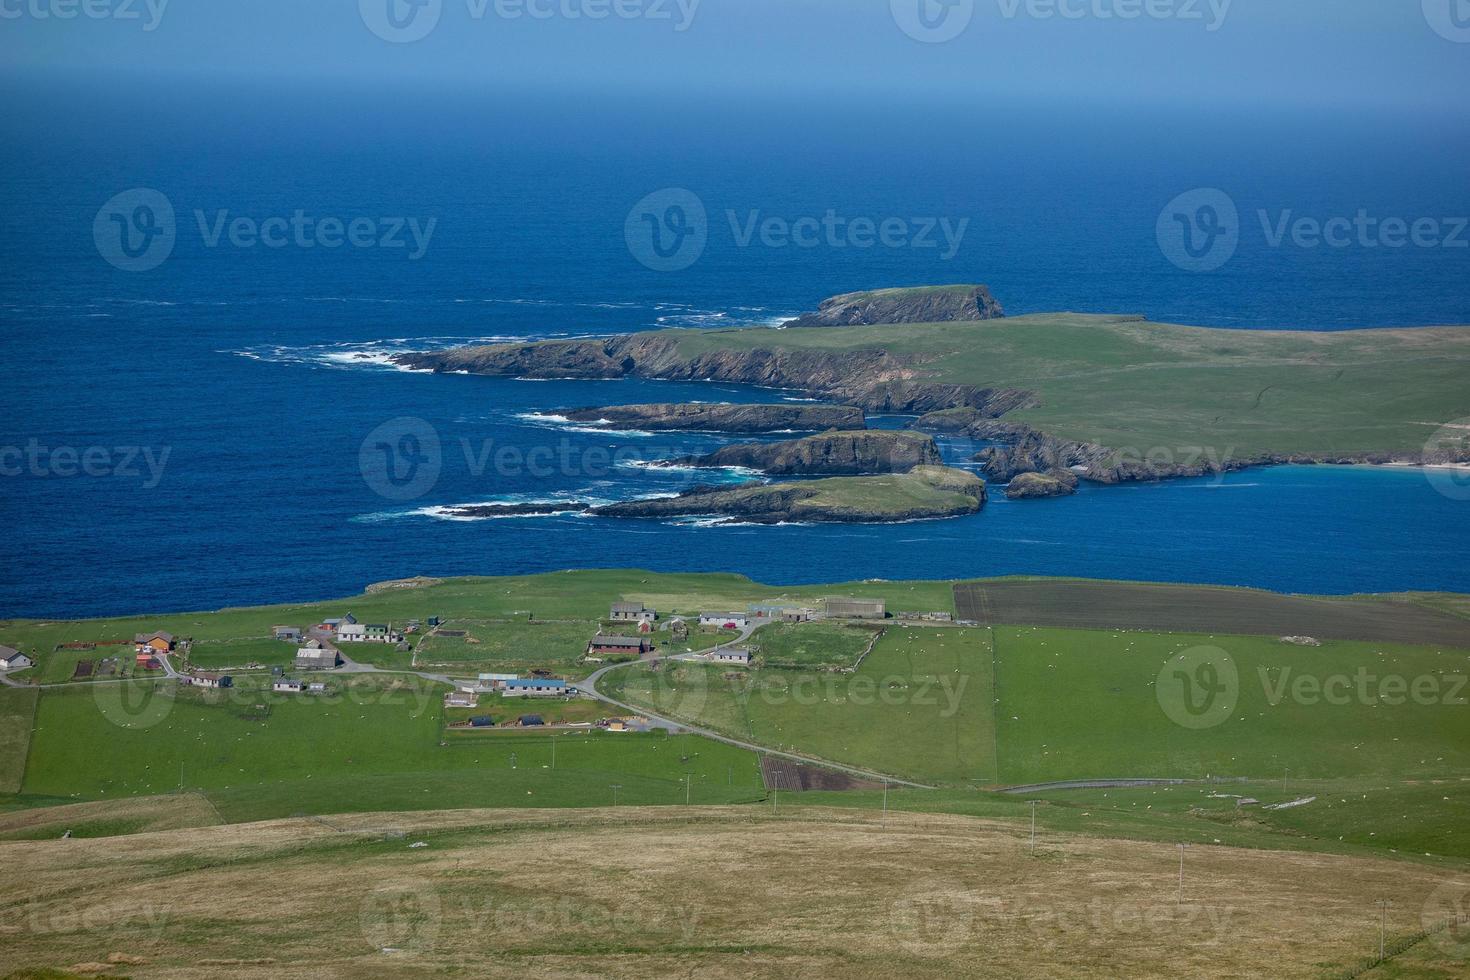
(811, 644)
(17, 715)
(376, 745)
(213, 654)
(919, 707)
(1083, 704)
(1125, 382)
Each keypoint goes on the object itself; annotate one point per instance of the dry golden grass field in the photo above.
(727, 892)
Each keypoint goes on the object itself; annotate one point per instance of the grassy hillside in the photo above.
(1124, 382)
(644, 893)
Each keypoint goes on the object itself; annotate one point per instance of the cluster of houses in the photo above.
(349, 630)
(758, 614)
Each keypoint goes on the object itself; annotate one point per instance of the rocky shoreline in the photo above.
(828, 454)
(924, 493)
(722, 417)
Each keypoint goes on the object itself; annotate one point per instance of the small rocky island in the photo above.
(829, 454)
(924, 493)
(720, 417)
(1034, 486)
(921, 304)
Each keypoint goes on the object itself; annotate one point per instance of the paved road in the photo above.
(1098, 784)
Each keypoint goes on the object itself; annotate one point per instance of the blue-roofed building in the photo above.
(536, 688)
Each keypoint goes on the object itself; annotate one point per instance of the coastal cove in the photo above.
(1290, 528)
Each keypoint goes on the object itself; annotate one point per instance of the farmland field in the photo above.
(505, 646)
(1042, 681)
(375, 744)
(1203, 609)
(212, 654)
(814, 645)
(919, 707)
(17, 715)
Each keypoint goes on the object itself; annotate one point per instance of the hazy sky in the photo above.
(1397, 53)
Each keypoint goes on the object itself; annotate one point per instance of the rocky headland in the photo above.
(744, 419)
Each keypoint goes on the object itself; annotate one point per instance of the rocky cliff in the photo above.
(1032, 486)
(874, 379)
(829, 454)
(725, 418)
(925, 304)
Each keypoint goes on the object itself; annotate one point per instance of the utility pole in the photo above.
(1181, 872)
(1033, 824)
(1383, 905)
(1284, 774)
(615, 788)
(553, 752)
(885, 802)
(512, 760)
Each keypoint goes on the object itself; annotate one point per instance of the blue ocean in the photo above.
(194, 434)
